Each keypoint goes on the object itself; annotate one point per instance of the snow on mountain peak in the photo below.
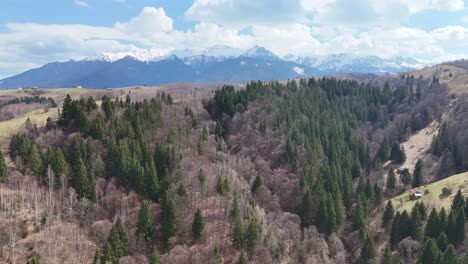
(145, 55)
(259, 52)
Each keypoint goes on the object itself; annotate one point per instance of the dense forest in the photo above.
(276, 172)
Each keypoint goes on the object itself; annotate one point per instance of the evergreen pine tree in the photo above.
(391, 179)
(3, 167)
(197, 224)
(443, 221)
(304, 210)
(257, 183)
(169, 219)
(145, 225)
(367, 251)
(430, 253)
(251, 237)
(458, 202)
(154, 258)
(358, 216)
(450, 255)
(388, 214)
(238, 233)
(432, 225)
(442, 241)
(322, 216)
(394, 233)
(35, 160)
(217, 255)
(242, 259)
(387, 255)
(97, 257)
(460, 228)
(182, 191)
(418, 174)
(384, 151)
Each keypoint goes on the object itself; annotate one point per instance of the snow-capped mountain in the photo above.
(345, 63)
(218, 63)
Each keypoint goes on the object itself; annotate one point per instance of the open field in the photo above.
(38, 117)
(456, 78)
(434, 197)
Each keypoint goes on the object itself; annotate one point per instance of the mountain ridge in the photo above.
(218, 63)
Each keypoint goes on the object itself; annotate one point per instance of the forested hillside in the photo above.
(276, 172)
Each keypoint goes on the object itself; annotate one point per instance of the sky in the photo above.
(35, 32)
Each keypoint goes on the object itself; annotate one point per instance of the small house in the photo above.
(401, 170)
(415, 194)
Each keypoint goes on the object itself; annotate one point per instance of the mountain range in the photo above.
(218, 63)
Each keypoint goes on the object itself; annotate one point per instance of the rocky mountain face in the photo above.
(219, 63)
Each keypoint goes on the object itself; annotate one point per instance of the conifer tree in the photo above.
(257, 183)
(154, 258)
(418, 174)
(432, 225)
(238, 233)
(242, 259)
(458, 202)
(391, 179)
(388, 214)
(201, 177)
(217, 255)
(443, 221)
(450, 255)
(430, 253)
(387, 255)
(251, 237)
(145, 225)
(367, 251)
(384, 151)
(442, 241)
(182, 191)
(81, 181)
(35, 160)
(169, 219)
(197, 224)
(3, 167)
(395, 232)
(322, 216)
(304, 210)
(358, 216)
(460, 228)
(97, 257)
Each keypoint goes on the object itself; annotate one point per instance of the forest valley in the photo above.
(275, 172)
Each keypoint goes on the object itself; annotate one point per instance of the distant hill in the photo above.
(454, 74)
(219, 63)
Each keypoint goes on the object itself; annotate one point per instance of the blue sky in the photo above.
(34, 32)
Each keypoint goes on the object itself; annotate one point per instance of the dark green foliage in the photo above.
(197, 224)
(182, 191)
(416, 226)
(450, 255)
(384, 151)
(201, 177)
(97, 257)
(432, 225)
(395, 231)
(367, 251)
(238, 233)
(218, 259)
(154, 258)
(418, 174)
(35, 160)
(460, 228)
(458, 202)
(387, 255)
(3, 167)
(397, 153)
(430, 253)
(378, 196)
(442, 241)
(405, 177)
(145, 225)
(305, 212)
(222, 185)
(170, 223)
(242, 259)
(391, 179)
(388, 214)
(359, 216)
(117, 243)
(257, 183)
(251, 237)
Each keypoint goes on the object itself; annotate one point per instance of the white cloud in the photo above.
(26, 45)
(150, 20)
(81, 3)
(241, 13)
(465, 19)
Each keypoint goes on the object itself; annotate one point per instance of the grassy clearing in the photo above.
(434, 197)
(456, 78)
(38, 117)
